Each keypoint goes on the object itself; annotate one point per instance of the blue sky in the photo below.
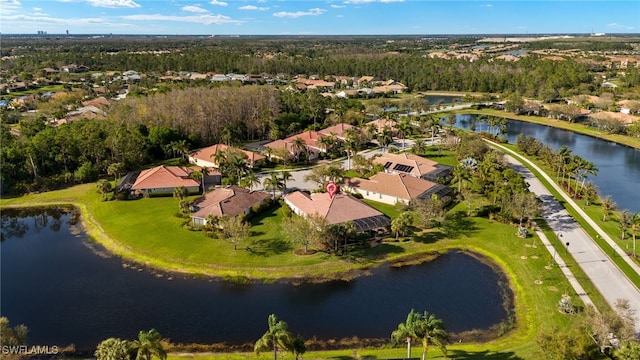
(317, 17)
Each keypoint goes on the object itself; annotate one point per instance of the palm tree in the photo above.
(419, 147)
(385, 137)
(401, 223)
(181, 147)
(407, 331)
(250, 180)
(149, 345)
(625, 220)
(608, 206)
(432, 332)
(298, 146)
(433, 125)
(590, 193)
(272, 183)
(284, 177)
(277, 336)
(461, 175)
(404, 128)
(350, 148)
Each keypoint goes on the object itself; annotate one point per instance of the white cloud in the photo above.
(47, 20)
(219, 3)
(297, 14)
(337, 6)
(487, 5)
(207, 19)
(9, 6)
(253, 7)
(114, 3)
(37, 9)
(194, 9)
(391, 1)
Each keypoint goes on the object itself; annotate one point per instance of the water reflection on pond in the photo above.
(619, 165)
(68, 290)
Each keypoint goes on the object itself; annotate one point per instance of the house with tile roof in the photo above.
(230, 201)
(414, 165)
(163, 180)
(379, 124)
(393, 188)
(205, 157)
(339, 130)
(338, 209)
(310, 139)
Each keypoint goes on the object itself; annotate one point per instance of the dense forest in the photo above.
(160, 120)
(403, 60)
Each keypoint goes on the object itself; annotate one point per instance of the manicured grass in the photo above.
(44, 89)
(575, 127)
(389, 210)
(622, 265)
(148, 231)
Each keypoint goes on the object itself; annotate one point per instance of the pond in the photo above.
(619, 165)
(67, 289)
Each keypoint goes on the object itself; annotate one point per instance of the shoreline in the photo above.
(619, 139)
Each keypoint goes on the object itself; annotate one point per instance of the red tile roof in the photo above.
(207, 154)
(402, 186)
(339, 209)
(164, 177)
(393, 163)
(338, 130)
(230, 201)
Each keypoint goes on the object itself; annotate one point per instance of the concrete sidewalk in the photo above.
(612, 283)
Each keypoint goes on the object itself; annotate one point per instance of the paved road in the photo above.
(597, 265)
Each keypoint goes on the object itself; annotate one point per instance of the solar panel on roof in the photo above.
(403, 168)
(387, 164)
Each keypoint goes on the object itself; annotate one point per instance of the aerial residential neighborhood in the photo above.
(319, 180)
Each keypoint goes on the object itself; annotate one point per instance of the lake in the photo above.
(619, 165)
(67, 289)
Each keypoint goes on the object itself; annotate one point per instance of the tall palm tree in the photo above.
(272, 183)
(250, 180)
(298, 146)
(462, 176)
(432, 332)
(385, 137)
(407, 331)
(284, 177)
(419, 147)
(277, 336)
(149, 345)
(350, 148)
(404, 129)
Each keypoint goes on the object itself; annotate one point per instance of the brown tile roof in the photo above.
(402, 186)
(164, 177)
(310, 138)
(406, 163)
(230, 201)
(338, 129)
(207, 154)
(339, 209)
(99, 102)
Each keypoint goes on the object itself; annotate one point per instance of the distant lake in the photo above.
(619, 165)
(67, 289)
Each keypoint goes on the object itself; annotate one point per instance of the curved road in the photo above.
(597, 265)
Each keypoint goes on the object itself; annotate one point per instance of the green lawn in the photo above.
(149, 231)
(575, 127)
